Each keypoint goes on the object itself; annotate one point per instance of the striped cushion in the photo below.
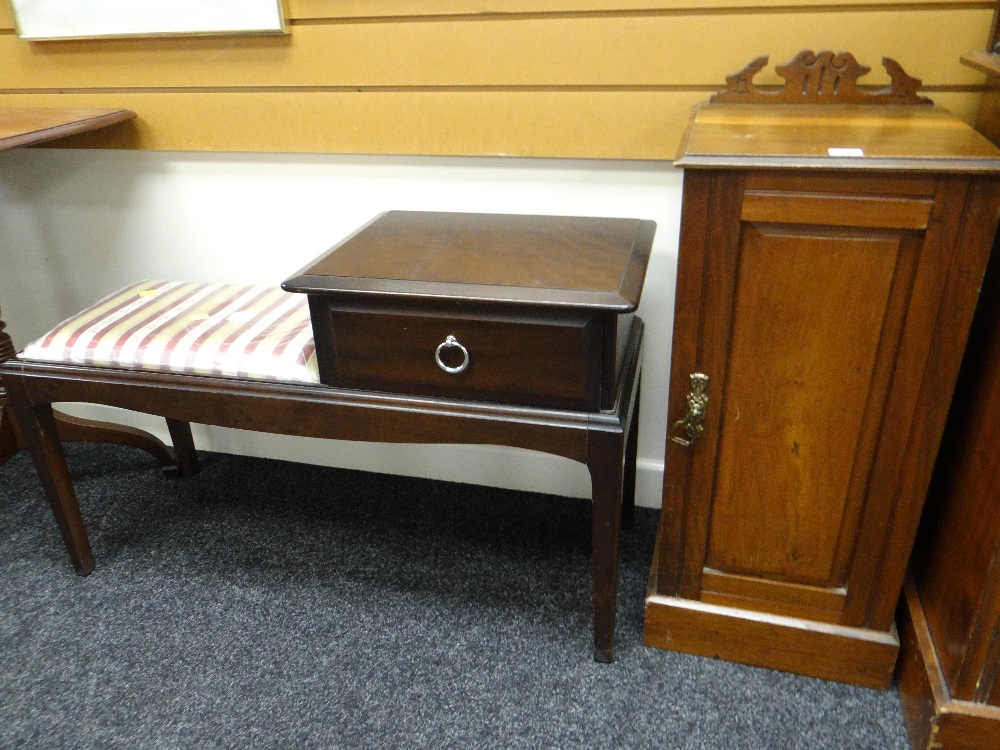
(227, 330)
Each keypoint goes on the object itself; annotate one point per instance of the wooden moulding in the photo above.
(934, 720)
(831, 652)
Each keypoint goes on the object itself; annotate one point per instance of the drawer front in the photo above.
(548, 361)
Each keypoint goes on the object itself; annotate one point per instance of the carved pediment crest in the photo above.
(821, 78)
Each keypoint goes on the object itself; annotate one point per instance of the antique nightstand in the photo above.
(832, 245)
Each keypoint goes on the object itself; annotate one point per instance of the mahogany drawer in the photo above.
(534, 359)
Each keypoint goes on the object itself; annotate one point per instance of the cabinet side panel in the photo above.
(809, 310)
(955, 558)
(957, 249)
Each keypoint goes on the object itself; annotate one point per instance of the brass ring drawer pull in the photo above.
(450, 343)
(686, 431)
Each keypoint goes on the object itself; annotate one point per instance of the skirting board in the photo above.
(831, 652)
(934, 720)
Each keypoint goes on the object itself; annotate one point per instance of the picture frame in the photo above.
(40, 20)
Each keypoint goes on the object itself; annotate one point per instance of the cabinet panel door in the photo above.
(809, 310)
(802, 310)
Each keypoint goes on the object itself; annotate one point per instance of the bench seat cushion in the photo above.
(225, 330)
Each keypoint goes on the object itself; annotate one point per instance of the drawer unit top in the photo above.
(552, 261)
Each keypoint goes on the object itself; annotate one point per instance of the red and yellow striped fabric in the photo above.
(226, 330)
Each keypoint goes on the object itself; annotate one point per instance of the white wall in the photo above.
(76, 225)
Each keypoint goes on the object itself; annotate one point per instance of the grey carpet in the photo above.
(263, 604)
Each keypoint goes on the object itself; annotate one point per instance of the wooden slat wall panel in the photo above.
(584, 78)
(590, 51)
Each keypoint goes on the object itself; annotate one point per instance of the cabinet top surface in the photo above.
(915, 138)
(24, 127)
(534, 260)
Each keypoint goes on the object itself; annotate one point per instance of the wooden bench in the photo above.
(244, 357)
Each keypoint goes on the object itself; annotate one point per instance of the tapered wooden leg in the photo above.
(605, 459)
(9, 444)
(184, 451)
(38, 428)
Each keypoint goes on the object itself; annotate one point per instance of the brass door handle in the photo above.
(686, 431)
